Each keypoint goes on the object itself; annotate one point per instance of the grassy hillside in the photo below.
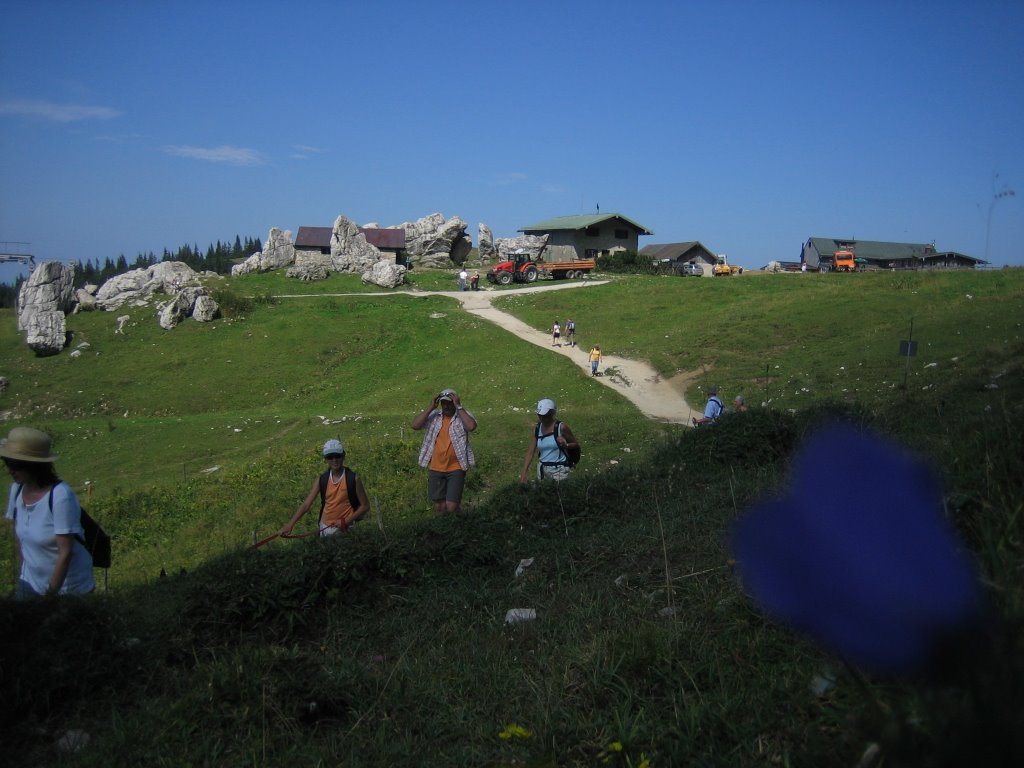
(388, 647)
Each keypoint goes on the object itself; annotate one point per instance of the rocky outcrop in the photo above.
(85, 299)
(310, 266)
(136, 287)
(191, 301)
(534, 245)
(434, 242)
(385, 274)
(278, 251)
(42, 303)
(350, 252)
(485, 242)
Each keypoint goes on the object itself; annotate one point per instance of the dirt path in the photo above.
(656, 397)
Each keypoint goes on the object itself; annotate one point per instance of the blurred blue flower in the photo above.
(858, 555)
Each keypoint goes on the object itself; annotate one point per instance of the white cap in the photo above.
(446, 394)
(545, 406)
(332, 447)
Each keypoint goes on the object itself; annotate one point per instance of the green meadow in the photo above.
(389, 647)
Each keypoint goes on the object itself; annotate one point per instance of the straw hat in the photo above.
(27, 444)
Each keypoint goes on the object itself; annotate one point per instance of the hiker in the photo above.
(739, 404)
(446, 452)
(550, 440)
(595, 359)
(712, 410)
(462, 279)
(474, 280)
(343, 500)
(47, 520)
(556, 334)
(570, 331)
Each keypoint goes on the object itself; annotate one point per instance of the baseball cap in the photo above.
(545, 406)
(446, 394)
(333, 447)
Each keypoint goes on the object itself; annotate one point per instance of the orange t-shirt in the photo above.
(444, 458)
(339, 509)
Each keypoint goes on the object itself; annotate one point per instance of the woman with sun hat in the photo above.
(47, 519)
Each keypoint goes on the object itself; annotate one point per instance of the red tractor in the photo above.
(520, 269)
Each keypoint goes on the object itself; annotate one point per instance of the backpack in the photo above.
(95, 540)
(350, 484)
(572, 455)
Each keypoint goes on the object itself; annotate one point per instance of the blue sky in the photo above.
(128, 127)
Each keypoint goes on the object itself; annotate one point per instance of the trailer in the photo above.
(522, 269)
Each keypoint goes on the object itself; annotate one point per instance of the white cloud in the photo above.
(224, 154)
(58, 113)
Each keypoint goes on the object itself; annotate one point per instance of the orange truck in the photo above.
(844, 261)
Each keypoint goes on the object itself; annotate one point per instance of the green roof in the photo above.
(873, 250)
(581, 222)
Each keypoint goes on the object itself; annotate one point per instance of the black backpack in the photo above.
(96, 541)
(350, 483)
(572, 455)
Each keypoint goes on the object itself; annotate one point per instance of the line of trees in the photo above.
(217, 258)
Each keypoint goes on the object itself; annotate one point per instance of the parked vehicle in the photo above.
(844, 261)
(689, 269)
(723, 267)
(522, 269)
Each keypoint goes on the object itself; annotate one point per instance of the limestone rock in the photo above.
(42, 302)
(461, 248)
(205, 309)
(310, 267)
(485, 242)
(136, 287)
(84, 301)
(170, 313)
(278, 251)
(533, 245)
(431, 241)
(385, 274)
(350, 252)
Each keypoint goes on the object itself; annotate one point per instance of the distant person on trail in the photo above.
(739, 404)
(556, 335)
(47, 520)
(713, 409)
(474, 280)
(343, 500)
(446, 452)
(570, 331)
(550, 440)
(462, 279)
(595, 359)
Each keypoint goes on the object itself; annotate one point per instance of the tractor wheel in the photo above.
(505, 278)
(530, 275)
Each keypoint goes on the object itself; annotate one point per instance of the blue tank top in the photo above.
(549, 452)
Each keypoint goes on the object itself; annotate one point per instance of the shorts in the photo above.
(556, 472)
(446, 486)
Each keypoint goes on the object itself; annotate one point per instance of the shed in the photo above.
(318, 239)
(677, 254)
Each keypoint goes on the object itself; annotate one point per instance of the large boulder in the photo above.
(42, 303)
(350, 251)
(205, 309)
(434, 242)
(485, 242)
(136, 287)
(533, 245)
(310, 266)
(170, 313)
(278, 251)
(385, 274)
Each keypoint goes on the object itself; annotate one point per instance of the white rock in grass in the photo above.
(72, 741)
(517, 615)
(523, 565)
